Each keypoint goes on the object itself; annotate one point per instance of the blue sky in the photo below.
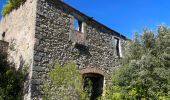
(124, 16)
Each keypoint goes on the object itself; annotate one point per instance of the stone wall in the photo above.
(54, 24)
(19, 28)
(39, 34)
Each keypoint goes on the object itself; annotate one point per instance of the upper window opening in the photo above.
(117, 47)
(78, 25)
(116, 43)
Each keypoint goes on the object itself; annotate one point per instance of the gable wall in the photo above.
(54, 24)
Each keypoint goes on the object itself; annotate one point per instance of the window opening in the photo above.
(117, 47)
(116, 43)
(78, 25)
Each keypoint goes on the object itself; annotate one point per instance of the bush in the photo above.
(64, 83)
(11, 80)
(12, 4)
(145, 70)
(7, 9)
(16, 3)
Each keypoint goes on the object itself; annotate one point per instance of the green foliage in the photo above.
(16, 3)
(12, 4)
(6, 9)
(64, 83)
(145, 70)
(11, 81)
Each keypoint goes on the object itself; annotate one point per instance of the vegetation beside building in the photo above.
(11, 80)
(145, 70)
(143, 75)
(64, 82)
(12, 4)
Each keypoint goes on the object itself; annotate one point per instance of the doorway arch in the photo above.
(92, 70)
(93, 81)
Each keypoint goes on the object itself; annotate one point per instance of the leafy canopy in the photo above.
(145, 70)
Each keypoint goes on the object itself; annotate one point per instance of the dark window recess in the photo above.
(83, 50)
(78, 25)
(117, 46)
(93, 85)
(3, 35)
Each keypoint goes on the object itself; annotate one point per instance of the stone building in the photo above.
(43, 31)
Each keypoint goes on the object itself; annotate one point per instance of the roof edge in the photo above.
(92, 20)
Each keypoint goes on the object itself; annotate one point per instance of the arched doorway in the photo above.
(93, 82)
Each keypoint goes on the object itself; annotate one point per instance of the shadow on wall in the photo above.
(84, 50)
(93, 85)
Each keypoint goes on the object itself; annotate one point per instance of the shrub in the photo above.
(7, 8)
(16, 3)
(145, 70)
(64, 83)
(11, 80)
(12, 4)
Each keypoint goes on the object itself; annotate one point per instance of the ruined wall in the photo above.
(54, 24)
(103, 52)
(19, 28)
(38, 34)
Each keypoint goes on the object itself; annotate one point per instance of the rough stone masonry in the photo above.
(42, 32)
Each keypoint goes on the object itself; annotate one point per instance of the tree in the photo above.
(145, 70)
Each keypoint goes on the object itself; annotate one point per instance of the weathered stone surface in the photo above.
(19, 28)
(39, 34)
(54, 25)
